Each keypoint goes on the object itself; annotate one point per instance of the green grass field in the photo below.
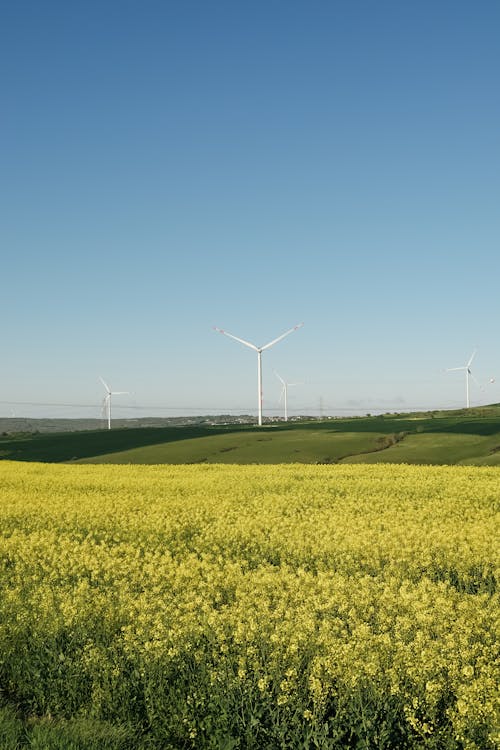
(443, 438)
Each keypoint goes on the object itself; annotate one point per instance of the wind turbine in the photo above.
(106, 404)
(259, 350)
(284, 392)
(468, 375)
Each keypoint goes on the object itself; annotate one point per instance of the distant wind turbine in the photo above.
(106, 404)
(284, 392)
(468, 375)
(259, 350)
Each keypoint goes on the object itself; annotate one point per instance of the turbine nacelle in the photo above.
(106, 402)
(284, 392)
(468, 374)
(259, 350)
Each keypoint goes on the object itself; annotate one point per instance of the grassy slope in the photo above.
(448, 438)
(265, 447)
(68, 446)
(438, 448)
(445, 438)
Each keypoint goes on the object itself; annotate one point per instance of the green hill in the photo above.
(466, 437)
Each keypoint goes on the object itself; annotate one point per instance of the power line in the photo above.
(303, 408)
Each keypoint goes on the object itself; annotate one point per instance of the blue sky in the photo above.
(171, 166)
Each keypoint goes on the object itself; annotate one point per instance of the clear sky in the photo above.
(168, 166)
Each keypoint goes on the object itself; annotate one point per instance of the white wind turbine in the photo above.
(259, 350)
(468, 375)
(284, 392)
(106, 404)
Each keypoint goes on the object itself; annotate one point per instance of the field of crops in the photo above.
(471, 438)
(249, 607)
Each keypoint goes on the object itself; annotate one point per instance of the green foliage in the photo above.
(79, 733)
(11, 730)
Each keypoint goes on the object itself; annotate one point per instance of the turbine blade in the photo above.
(275, 341)
(472, 357)
(120, 393)
(476, 381)
(105, 384)
(242, 341)
(279, 377)
(454, 369)
(104, 405)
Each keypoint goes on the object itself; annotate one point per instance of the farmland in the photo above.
(462, 437)
(284, 606)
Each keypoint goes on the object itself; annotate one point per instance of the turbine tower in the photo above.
(106, 404)
(284, 392)
(259, 350)
(468, 375)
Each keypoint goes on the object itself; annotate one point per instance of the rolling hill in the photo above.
(464, 437)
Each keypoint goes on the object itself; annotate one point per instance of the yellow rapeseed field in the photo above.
(255, 606)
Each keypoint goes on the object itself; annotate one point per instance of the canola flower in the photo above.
(255, 606)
